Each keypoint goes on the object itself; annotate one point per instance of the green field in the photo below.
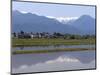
(47, 42)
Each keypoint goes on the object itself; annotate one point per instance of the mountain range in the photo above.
(29, 22)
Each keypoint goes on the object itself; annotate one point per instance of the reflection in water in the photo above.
(52, 47)
(53, 61)
(83, 57)
(21, 48)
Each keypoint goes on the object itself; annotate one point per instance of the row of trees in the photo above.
(23, 34)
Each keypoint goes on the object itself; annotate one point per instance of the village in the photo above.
(31, 35)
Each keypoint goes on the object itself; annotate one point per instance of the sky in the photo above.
(56, 10)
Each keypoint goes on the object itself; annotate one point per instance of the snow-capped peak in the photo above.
(23, 12)
(63, 19)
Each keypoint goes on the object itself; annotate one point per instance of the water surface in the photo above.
(23, 63)
(52, 47)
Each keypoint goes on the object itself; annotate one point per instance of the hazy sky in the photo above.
(55, 10)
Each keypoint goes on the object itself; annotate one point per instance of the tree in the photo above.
(72, 37)
(14, 34)
(22, 32)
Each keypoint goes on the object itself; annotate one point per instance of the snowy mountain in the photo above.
(63, 20)
(30, 22)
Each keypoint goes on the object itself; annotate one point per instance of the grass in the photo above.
(47, 42)
(49, 51)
